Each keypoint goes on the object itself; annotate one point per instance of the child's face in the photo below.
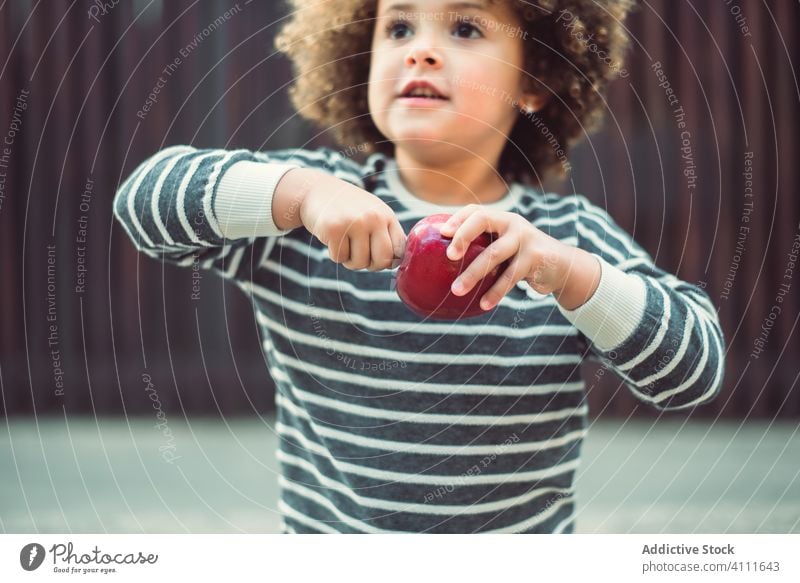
(472, 56)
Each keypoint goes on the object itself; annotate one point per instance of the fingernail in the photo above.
(452, 253)
(486, 305)
(457, 287)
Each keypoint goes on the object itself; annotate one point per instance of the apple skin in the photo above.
(426, 273)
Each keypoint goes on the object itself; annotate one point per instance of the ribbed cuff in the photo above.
(615, 309)
(244, 199)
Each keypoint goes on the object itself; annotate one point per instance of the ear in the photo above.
(531, 102)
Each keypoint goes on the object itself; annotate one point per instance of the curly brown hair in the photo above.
(578, 48)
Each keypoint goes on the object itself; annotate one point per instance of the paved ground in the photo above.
(109, 475)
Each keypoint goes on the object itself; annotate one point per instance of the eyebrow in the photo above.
(451, 5)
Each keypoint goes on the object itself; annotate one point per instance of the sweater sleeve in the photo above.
(667, 344)
(186, 206)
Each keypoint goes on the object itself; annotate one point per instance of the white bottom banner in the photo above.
(389, 558)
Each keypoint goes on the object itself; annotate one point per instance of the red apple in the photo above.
(426, 273)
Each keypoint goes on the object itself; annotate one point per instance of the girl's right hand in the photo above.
(358, 228)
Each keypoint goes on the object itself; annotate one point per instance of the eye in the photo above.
(397, 29)
(465, 29)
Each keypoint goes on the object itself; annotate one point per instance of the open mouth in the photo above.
(420, 90)
(416, 94)
(420, 94)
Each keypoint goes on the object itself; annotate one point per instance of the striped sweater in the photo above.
(388, 422)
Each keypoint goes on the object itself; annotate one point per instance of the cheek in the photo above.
(489, 103)
(378, 100)
(375, 100)
(501, 91)
(380, 83)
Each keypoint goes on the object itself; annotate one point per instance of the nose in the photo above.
(425, 56)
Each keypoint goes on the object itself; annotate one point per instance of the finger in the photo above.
(480, 267)
(451, 225)
(381, 252)
(339, 250)
(359, 250)
(474, 225)
(504, 284)
(398, 238)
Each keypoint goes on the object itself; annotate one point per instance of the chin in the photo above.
(430, 142)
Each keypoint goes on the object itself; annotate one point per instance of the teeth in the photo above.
(423, 92)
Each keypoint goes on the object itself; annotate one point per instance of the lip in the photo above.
(421, 102)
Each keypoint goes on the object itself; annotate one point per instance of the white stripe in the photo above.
(134, 190)
(287, 510)
(548, 203)
(364, 350)
(559, 529)
(235, 261)
(168, 250)
(605, 221)
(209, 191)
(406, 447)
(552, 222)
(712, 388)
(599, 243)
(403, 216)
(533, 520)
(659, 337)
(314, 496)
(269, 245)
(341, 286)
(232, 258)
(438, 329)
(432, 418)
(180, 203)
(186, 261)
(709, 318)
(154, 210)
(395, 385)
(437, 479)
(420, 507)
(677, 357)
(701, 300)
(321, 254)
(698, 370)
(707, 324)
(631, 262)
(320, 500)
(568, 217)
(221, 253)
(322, 283)
(304, 248)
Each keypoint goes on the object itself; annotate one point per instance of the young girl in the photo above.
(387, 421)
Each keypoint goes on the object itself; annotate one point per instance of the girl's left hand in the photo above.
(534, 256)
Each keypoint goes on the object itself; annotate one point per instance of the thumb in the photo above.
(398, 237)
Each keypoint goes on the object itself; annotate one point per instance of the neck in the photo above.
(462, 181)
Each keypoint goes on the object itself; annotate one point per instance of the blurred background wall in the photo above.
(84, 316)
